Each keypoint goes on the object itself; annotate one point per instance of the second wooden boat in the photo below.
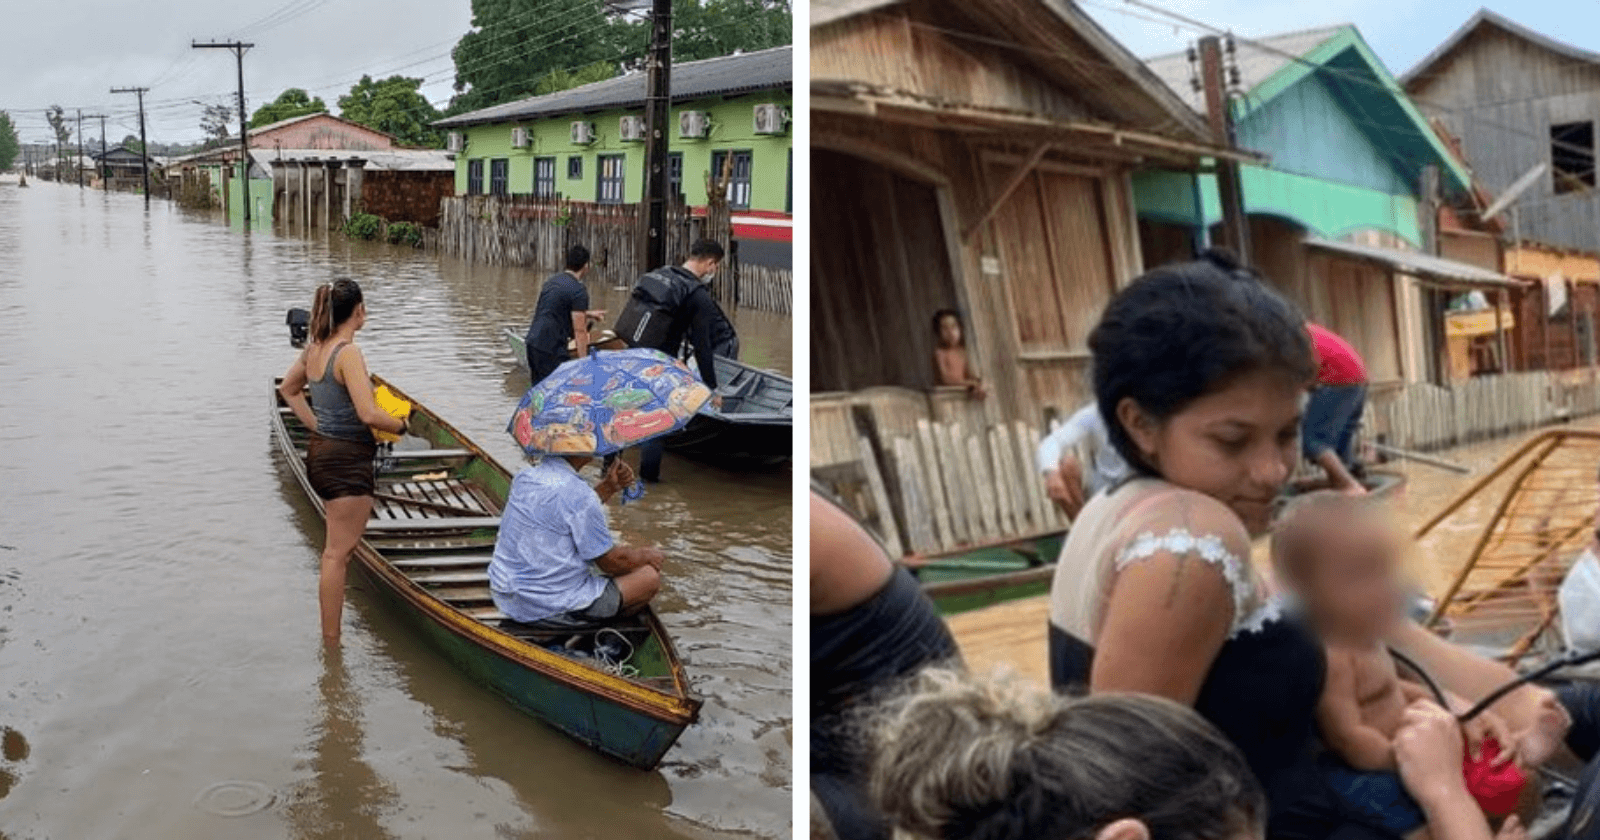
(752, 430)
(620, 689)
(980, 576)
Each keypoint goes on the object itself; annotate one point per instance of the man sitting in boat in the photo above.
(556, 564)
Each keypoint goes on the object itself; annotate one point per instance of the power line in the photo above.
(144, 147)
(238, 49)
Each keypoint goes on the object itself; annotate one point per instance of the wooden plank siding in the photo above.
(1500, 93)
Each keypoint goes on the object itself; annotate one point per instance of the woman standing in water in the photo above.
(341, 416)
(1199, 373)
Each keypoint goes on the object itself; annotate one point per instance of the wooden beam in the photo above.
(1012, 183)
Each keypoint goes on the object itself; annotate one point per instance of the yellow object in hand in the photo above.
(394, 407)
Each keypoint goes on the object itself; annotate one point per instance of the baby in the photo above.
(1341, 562)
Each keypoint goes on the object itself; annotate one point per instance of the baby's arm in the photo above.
(1339, 717)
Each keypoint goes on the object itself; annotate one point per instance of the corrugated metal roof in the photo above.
(748, 72)
(1258, 59)
(1439, 269)
(412, 160)
(1484, 16)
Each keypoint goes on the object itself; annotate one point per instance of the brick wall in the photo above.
(406, 196)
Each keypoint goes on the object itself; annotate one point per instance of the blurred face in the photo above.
(1237, 445)
(1351, 577)
(949, 331)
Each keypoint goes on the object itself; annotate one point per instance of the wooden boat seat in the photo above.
(443, 561)
(447, 523)
(419, 454)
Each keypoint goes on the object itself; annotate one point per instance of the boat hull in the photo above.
(624, 719)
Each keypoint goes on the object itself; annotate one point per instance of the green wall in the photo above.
(1328, 209)
(732, 128)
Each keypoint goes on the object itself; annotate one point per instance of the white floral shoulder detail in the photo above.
(1249, 615)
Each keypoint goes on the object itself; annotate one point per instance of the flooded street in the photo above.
(161, 673)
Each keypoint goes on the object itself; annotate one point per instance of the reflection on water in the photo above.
(344, 796)
(158, 632)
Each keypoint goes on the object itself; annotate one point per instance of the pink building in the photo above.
(319, 131)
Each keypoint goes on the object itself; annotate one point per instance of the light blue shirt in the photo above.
(1085, 430)
(552, 528)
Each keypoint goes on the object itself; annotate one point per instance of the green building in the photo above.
(587, 144)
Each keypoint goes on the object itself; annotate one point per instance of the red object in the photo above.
(1337, 362)
(1497, 789)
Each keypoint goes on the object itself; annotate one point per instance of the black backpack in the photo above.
(647, 318)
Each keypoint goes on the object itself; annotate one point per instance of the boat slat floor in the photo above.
(402, 545)
(434, 499)
(447, 523)
(449, 578)
(460, 596)
(444, 561)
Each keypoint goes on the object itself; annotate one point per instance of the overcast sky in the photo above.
(71, 52)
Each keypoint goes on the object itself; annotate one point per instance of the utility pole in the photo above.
(104, 180)
(238, 48)
(658, 111)
(144, 146)
(78, 165)
(1213, 82)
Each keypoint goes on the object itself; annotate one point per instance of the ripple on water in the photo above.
(236, 798)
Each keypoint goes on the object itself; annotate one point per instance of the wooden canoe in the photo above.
(979, 576)
(752, 430)
(1517, 530)
(427, 550)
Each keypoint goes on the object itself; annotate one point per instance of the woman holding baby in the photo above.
(1199, 372)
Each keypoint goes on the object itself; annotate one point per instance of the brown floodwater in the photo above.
(161, 673)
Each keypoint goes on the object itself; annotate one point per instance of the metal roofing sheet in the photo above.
(1416, 263)
(747, 72)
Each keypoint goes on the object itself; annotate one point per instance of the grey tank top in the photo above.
(336, 414)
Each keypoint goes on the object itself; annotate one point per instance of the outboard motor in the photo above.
(299, 322)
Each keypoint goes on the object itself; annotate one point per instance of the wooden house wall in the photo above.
(891, 49)
(1031, 283)
(1500, 94)
(1564, 341)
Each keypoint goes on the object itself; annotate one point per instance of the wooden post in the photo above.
(1236, 227)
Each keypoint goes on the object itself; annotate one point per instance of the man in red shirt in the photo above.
(1328, 430)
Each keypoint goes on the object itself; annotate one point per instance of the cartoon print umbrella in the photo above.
(607, 402)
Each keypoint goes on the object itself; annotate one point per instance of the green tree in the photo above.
(214, 121)
(712, 28)
(393, 106)
(131, 143)
(563, 79)
(57, 117)
(294, 102)
(9, 145)
(515, 44)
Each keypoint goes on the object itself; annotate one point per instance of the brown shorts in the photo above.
(340, 468)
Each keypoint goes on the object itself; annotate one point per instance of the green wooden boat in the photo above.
(980, 576)
(427, 550)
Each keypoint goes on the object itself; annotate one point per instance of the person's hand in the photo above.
(1539, 742)
(716, 401)
(1064, 485)
(653, 557)
(620, 475)
(1428, 749)
(1354, 490)
(1490, 725)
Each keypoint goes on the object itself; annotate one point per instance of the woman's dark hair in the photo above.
(956, 758)
(1182, 331)
(333, 305)
(938, 319)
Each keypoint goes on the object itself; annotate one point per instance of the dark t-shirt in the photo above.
(551, 329)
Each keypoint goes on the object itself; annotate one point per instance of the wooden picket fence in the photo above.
(1423, 416)
(926, 485)
(520, 230)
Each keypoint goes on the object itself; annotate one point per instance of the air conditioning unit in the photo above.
(582, 133)
(455, 142)
(519, 138)
(771, 119)
(694, 125)
(631, 128)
